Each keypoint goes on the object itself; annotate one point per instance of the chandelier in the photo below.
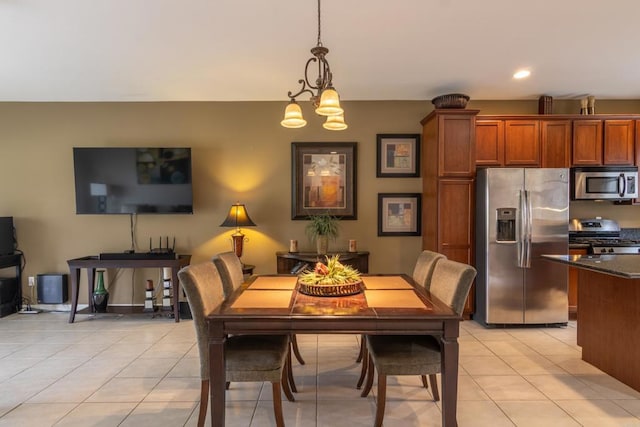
(324, 97)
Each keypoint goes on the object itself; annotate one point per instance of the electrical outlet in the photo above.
(32, 281)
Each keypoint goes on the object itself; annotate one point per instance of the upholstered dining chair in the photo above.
(422, 272)
(419, 354)
(230, 268)
(248, 358)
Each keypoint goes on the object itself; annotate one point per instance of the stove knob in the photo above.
(603, 250)
(610, 250)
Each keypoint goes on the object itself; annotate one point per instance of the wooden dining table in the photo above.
(389, 305)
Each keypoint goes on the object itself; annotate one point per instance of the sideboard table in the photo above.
(91, 263)
(288, 260)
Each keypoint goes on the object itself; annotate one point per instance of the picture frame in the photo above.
(399, 214)
(323, 179)
(398, 155)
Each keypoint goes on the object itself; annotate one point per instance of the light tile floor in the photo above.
(111, 370)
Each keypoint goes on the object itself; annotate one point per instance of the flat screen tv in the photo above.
(126, 180)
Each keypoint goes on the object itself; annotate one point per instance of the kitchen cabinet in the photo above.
(573, 285)
(490, 143)
(448, 166)
(520, 142)
(619, 139)
(555, 143)
(587, 143)
(603, 142)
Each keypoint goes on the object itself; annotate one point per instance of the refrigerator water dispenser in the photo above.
(506, 224)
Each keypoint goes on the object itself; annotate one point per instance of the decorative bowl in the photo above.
(330, 290)
(451, 100)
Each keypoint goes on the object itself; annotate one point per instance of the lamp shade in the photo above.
(329, 103)
(237, 217)
(293, 116)
(335, 123)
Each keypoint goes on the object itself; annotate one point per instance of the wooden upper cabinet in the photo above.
(490, 142)
(619, 138)
(522, 143)
(449, 136)
(587, 142)
(555, 142)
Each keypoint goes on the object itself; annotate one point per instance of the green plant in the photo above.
(323, 224)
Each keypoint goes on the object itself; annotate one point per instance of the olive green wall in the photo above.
(240, 153)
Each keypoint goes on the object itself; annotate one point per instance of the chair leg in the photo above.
(369, 384)
(382, 399)
(363, 343)
(277, 404)
(288, 369)
(285, 379)
(424, 381)
(365, 365)
(296, 350)
(204, 402)
(434, 387)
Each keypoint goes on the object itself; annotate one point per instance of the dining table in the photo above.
(389, 304)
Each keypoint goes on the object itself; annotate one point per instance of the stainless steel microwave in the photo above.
(604, 183)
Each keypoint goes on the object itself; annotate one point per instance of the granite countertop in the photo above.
(626, 266)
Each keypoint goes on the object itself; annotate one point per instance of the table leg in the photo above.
(217, 375)
(91, 278)
(75, 289)
(175, 286)
(450, 352)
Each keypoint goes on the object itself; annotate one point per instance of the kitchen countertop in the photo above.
(625, 266)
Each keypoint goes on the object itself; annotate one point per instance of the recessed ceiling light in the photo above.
(522, 74)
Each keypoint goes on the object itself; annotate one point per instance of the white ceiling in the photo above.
(231, 50)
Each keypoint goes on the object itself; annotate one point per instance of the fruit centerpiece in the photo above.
(330, 279)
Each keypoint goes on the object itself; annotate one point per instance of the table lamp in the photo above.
(237, 217)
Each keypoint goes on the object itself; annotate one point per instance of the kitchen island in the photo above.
(608, 320)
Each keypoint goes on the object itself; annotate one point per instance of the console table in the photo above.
(288, 260)
(91, 263)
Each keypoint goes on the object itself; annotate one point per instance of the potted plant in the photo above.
(322, 227)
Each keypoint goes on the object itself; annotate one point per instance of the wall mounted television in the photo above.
(127, 180)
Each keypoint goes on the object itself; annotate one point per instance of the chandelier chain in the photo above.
(319, 42)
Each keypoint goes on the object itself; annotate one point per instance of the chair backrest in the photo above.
(203, 287)
(423, 271)
(230, 268)
(451, 282)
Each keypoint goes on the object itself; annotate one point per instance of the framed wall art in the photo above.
(398, 155)
(323, 179)
(399, 214)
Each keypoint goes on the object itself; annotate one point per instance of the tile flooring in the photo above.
(113, 370)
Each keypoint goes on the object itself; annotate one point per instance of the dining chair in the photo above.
(417, 354)
(248, 358)
(230, 268)
(422, 273)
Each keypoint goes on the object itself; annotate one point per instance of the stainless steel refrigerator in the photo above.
(521, 213)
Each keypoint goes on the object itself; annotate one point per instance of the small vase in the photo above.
(322, 244)
(100, 294)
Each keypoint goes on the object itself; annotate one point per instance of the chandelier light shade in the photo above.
(237, 217)
(324, 96)
(293, 116)
(335, 123)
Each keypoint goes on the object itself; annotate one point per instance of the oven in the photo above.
(602, 236)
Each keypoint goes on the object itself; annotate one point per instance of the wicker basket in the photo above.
(451, 100)
(330, 290)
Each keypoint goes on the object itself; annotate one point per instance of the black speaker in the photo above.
(53, 288)
(8, 296)
(7, 236)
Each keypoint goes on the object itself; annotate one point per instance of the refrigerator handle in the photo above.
(529, 230)
(521, 227)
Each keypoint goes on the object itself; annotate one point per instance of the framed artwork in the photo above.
(399, 214)
(323, 179)
(398, 155)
